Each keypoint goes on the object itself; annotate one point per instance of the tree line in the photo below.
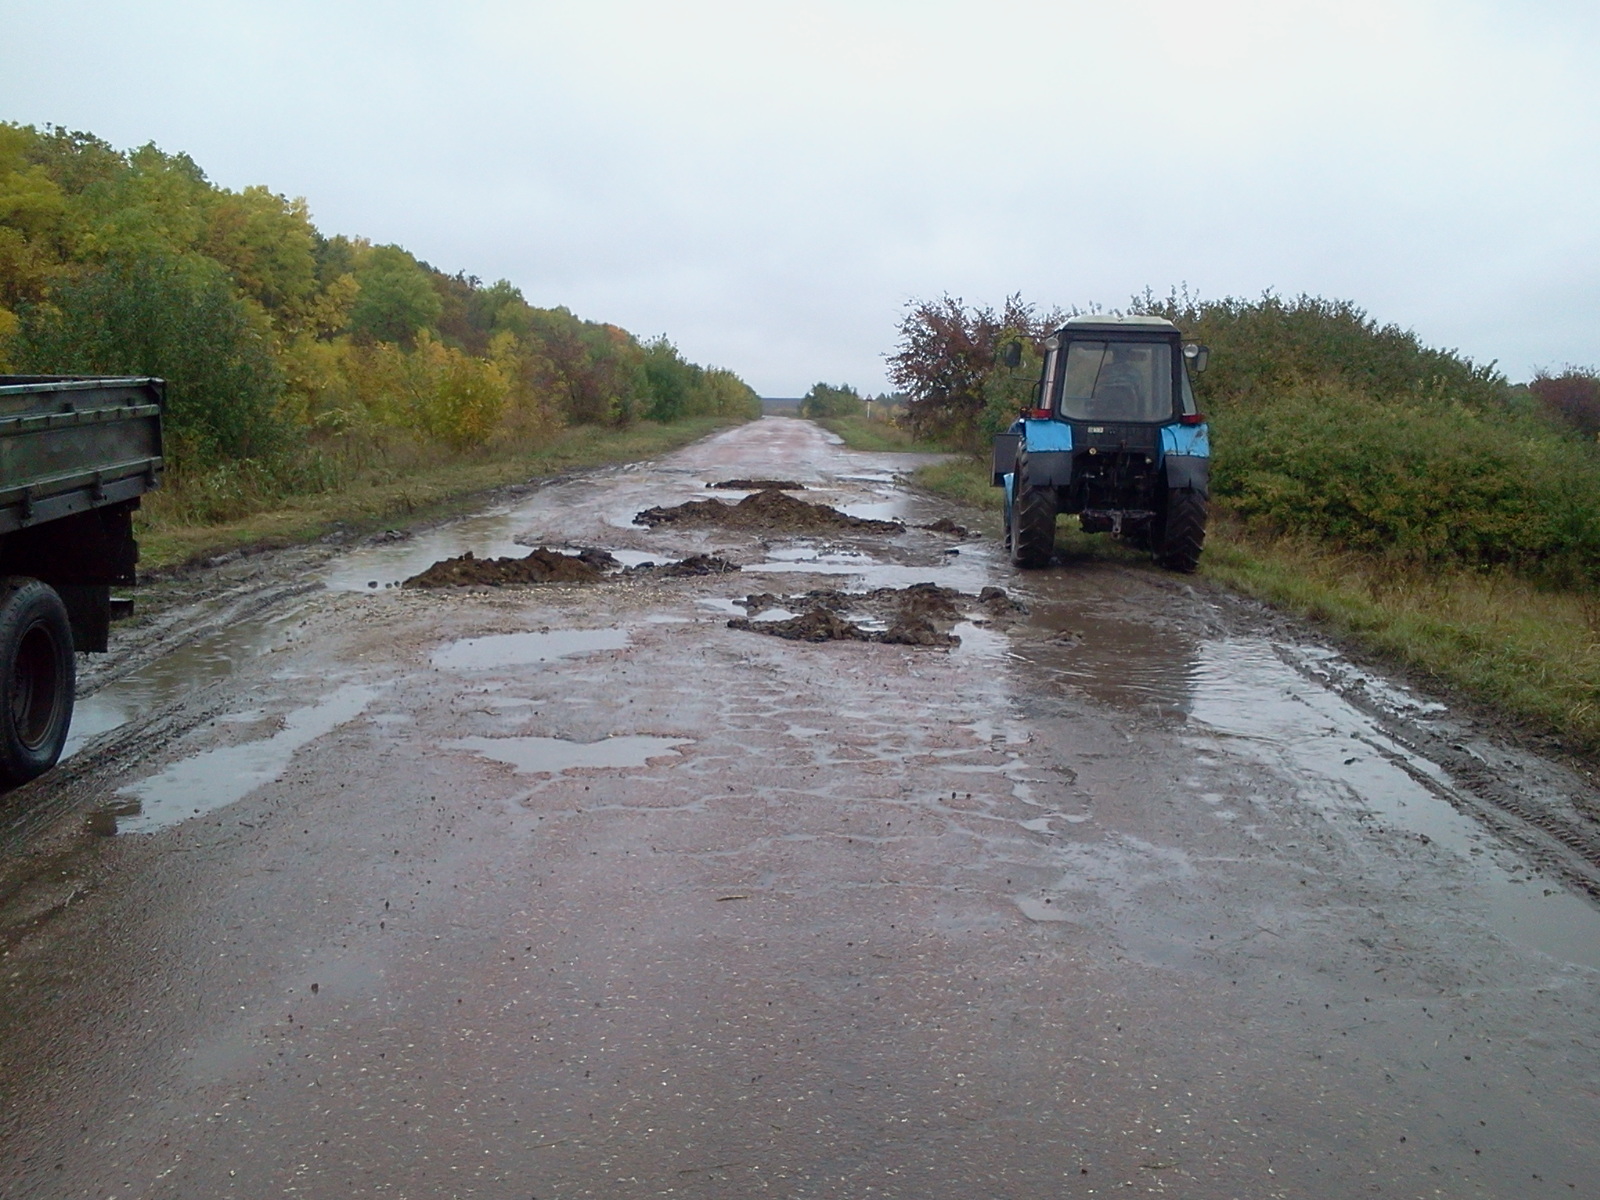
(288, 352)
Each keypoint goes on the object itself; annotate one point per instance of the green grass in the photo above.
(861, 433)
(403, 494)
(1527, 651)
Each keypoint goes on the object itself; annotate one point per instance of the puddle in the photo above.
(980, 642)
(490, 535)
(215, 778)
(1119, 663)
(175, 675)
(524, 649)
(1271, 712)
(810, 554)
(1244, 700)
(551, 756)
(968, 572)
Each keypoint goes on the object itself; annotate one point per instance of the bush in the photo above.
(173, 317)
(1572, 397)
(1261, 348)
(1439, 484)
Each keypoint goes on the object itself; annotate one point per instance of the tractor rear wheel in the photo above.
(1032, 528)
(1183, 530)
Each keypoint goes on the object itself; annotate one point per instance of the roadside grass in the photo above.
(399, 493)
(1528, 651)
(1532, 652)
(863, 433)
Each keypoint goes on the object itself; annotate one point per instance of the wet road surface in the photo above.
(575, 892)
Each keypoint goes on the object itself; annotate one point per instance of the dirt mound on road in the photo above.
(759, 485)
(551, 566)
(697, 564)
(817, 625)
(769, 510)
(919, 615)
(540, 566)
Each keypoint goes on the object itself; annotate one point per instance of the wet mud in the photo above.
(538, 566)
(759, 485)
(552, 566)
(767, 511)
(571, 892)
(921, 614)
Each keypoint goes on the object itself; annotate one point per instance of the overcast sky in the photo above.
(770, 183)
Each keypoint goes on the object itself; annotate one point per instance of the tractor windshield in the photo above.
(1117, 381)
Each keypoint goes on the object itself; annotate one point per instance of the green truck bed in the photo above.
(68, 445)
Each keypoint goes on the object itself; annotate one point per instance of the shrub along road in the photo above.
(574, 890)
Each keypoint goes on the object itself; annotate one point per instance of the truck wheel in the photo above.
(1183, 531)
(37, 676)
(1033, 521)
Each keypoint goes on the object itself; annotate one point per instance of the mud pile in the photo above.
(919, 615)
(551, 566)
(759, 485)
(769, 510)
(540, 566)
(696, 564)
(817, 625)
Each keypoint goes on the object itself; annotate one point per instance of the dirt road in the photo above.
(574, 891)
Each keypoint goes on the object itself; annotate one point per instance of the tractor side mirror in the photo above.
(1198, 356)
(1011, 355)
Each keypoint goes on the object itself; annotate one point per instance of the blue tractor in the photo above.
(1113, 436)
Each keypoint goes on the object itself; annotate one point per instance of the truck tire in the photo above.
(1183, 530)
(1033, 521)
(37, 677)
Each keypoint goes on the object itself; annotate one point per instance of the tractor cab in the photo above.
(1115, 437)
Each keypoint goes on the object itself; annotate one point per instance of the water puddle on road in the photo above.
(1240, 698)
(552, 756)
(214, 778)
(176, 675)
(1243, 691)
(525, 649)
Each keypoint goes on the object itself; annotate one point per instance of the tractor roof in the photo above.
(1095, 321)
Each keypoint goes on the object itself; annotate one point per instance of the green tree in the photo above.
(397, 300)
(266, 241)
(173, 317)
(825, 400)
(672, 382)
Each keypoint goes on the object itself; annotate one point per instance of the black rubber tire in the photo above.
(1033, 521)
(1183, 530)
(37, 676)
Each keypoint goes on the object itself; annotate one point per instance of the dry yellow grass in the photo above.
(420, 490)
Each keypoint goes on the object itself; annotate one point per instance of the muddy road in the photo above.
(574, 890)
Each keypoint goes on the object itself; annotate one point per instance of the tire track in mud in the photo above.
(1566, 844)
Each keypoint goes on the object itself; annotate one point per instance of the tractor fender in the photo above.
(1005, 456)
(1049, 468)
(1049, 448)
(1191, 471)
